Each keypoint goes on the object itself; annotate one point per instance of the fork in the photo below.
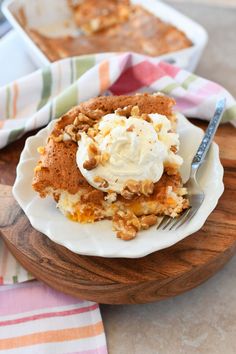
(195, 193)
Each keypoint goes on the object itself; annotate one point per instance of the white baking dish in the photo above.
(53, 17)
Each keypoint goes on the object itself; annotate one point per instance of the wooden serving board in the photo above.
(124, 281)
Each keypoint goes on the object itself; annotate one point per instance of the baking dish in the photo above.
(57, 20)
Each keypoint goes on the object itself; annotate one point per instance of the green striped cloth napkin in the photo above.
(35, 100)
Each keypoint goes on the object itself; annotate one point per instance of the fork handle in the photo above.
(209, 135)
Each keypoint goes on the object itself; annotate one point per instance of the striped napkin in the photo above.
(35, 100)
(38, 320)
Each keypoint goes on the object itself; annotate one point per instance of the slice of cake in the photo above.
(114, 158)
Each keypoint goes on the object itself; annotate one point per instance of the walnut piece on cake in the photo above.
(139, 203)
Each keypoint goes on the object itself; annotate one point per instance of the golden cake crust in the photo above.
(102, 105)
(147, 103)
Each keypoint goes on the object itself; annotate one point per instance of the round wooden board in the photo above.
(124, 281)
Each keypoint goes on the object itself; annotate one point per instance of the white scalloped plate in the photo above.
(98, 239)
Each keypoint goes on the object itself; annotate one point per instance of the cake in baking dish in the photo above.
(108, 26)
(115, 158)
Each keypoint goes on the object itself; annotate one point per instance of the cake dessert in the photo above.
(93, 16)
(115, 158)
(109, 26)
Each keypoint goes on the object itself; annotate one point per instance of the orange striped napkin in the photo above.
(36, 319)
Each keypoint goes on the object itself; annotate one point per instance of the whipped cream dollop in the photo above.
(136, 149)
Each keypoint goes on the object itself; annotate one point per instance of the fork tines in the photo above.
(169, 223)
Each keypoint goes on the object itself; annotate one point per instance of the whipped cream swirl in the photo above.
(137, 150)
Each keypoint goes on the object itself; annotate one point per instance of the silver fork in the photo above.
(195, 193)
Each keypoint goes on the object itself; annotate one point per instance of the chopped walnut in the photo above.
(131, 128)
(106, 131)
(84, 127)
(126, 224)
(174, 149)
(158, 127)
(125, 111)
(105, 156)
(41, 150)
(110, 197)
(182, 191)
(148, 220)
(171, 169)
(76, 121)
(82, 119)
(72, 131)
(85, 119)
(38, 167)
(90, 164)
(96, 114)
(102, 182)
(128, 234)
(93, 150)
(146, 117)
(127, 194)
(135, 111)
(92, 132)
(133, 188)
(147, 187)
(81, 124)
(58, 138)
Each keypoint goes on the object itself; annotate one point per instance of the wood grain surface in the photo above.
(121, 281)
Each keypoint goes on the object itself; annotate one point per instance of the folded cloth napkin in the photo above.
(36, 319)
(33, 101)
